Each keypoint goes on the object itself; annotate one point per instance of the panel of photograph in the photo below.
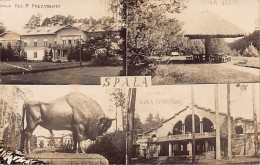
(193, 41)
(60, 42)
(205, 124)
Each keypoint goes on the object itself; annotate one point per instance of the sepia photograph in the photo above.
(193, 41)
(59, 42)
(101, 82)
(204, 124)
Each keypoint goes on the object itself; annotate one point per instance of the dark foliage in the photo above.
(9, 53)
(244, 42)
(111, 146)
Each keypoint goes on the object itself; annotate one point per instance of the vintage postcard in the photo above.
(154, 125)
(194, 41)
(60, 42)
(129, 82)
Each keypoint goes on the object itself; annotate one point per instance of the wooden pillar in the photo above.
(183, 128)
(193, 125)
(201, 127)
(218, 149)
(170, 149)
(229, 122)
(208, 48)
(255, 120)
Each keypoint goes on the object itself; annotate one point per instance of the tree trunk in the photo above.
(229, 123)
(218, 149)
(255, 120)
(131, 123)
(208, 48)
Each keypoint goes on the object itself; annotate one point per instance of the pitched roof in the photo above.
(10, 37)
(80, 26)
(199, 107)
(208, 23)
(42, 30)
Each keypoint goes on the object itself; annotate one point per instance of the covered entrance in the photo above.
(178, 142)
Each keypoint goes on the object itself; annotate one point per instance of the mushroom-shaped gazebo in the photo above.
(207, 25)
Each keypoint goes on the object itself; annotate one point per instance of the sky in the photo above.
(164, 100)
(14, 18)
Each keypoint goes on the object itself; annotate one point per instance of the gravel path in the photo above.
(253, 71)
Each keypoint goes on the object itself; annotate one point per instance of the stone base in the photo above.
(70, 158)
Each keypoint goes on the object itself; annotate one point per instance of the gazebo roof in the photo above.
(208, 24)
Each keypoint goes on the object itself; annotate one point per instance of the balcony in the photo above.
(63, 46)
(176, 137)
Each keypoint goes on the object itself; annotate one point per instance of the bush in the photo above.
(8, 53)
(251, 51)
(102, 59)
(74, 54)
(111, 146)
(140, 65)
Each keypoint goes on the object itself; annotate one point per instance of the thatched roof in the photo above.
(205, 24)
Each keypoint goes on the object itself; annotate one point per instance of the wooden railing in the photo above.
(177, 137)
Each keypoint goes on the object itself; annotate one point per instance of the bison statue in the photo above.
(74, 112)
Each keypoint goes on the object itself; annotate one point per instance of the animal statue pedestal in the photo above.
(70, 158)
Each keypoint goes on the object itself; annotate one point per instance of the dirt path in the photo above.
(230, 65)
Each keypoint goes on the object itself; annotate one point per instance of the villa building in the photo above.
(174, 136)
(57, 40)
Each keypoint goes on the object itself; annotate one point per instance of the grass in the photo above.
(83, 75)
(36, 66)
(252, 62)
(199, 73)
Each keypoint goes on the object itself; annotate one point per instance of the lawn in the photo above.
(82, 75)
(199, 73)
(252, 62)
(8, 68)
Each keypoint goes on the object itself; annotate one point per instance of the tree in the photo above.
(120, 99)
(51, 142)
(34, 21)
(11, 134)
(251, 51)
(130, 124)
(2, 28)
(8, 53)
(152, 122)
(244, 42)
(149, 30)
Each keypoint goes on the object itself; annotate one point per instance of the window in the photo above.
(55, 41)
(35, 55)
(64, 40)
(1, 44)
(25, 43)
(76, 40)
(35, 42)
(239, 130)
(45, 42)
(25, 55)
(69, 40)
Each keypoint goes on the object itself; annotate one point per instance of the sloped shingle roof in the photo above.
(210, 24)
(54, 29)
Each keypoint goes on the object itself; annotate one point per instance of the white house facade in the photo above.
(174, 136)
